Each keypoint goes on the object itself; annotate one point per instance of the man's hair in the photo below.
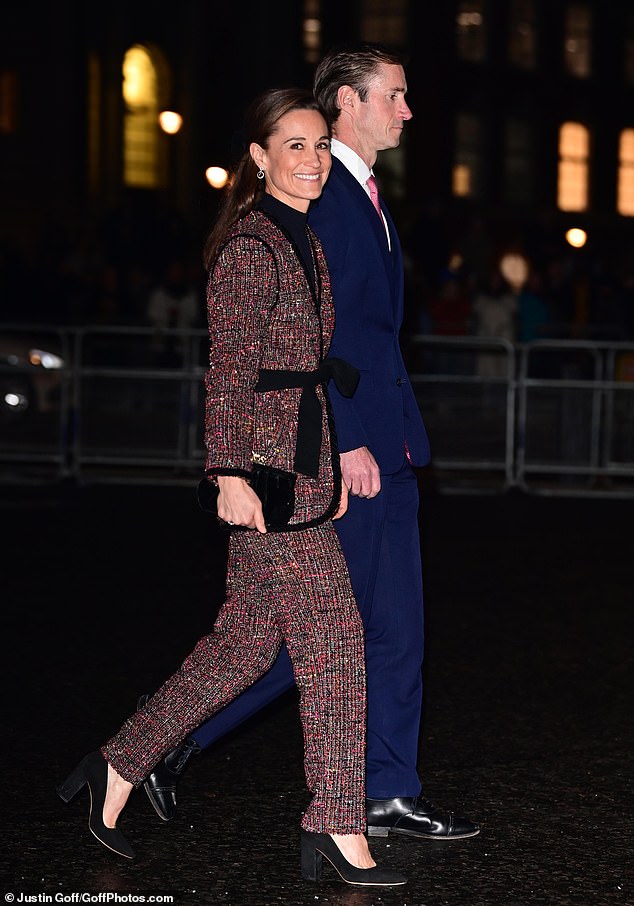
(352, 64)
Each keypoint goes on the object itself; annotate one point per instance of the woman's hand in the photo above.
(238, 504)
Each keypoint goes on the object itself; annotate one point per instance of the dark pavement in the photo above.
(528, 722)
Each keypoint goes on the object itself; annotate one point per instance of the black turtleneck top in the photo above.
(294, 224)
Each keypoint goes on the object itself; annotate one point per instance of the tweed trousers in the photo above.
(281, 586)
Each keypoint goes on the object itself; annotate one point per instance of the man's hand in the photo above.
(360, 472)
(238, 504)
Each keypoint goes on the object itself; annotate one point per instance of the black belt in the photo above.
(308, 445)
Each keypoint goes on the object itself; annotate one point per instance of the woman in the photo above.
(270, 322)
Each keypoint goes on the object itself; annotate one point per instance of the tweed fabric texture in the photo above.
(291, 586)
(263, 314)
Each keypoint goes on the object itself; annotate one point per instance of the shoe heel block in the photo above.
(312, 861)
(71, 786)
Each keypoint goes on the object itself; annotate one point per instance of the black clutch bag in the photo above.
(274, 487)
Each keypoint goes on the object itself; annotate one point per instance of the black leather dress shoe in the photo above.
(160, 784)
(414, 816)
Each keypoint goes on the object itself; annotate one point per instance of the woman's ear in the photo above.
(258, 154)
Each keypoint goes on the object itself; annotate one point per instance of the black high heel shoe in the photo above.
(93, 770)
(316, 846)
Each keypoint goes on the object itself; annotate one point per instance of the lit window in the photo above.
(625, 189)
(8, 102)
(574, 153)
(518, 175)
(466, 173)
(470, 31)
(578, 40)
(384, 21)
(522, 33)
(143, 156)
(312, 30)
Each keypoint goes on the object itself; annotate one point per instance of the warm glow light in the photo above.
(455, 262)
(461, 180)
(576, 237)
(170, 122)
(514, 269)
(217, 177)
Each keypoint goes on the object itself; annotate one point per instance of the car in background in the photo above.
(33, 362)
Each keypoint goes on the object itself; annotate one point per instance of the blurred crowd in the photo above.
(129, 270)
(132, 270)
(457, 286)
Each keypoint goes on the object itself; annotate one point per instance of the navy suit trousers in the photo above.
(381, 544)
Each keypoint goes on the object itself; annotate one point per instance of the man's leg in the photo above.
(278, 680)
(381, 543)
(160, 784)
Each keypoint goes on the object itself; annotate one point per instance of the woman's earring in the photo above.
(260, 173)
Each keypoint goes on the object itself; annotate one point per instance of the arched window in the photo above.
(625, 188)
(574, 155)
(144, 90)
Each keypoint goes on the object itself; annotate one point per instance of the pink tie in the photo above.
(374, 194)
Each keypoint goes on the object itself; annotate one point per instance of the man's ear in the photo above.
(258, 154)
(346, 98)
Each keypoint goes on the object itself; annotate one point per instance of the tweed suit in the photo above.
(288, 586)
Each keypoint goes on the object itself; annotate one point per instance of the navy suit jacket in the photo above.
(367, 286)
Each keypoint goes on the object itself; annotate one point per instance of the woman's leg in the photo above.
(295, 585)
(243, 645)
(306, 578)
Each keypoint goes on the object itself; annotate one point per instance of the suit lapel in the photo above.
(365, 209)
(392, 260)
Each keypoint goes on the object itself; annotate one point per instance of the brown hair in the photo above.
(354, 65)
(260, 123)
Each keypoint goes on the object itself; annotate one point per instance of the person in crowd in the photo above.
(270, 317)
(533, 316)
(495, 317)
(172, 303)
(381, 435)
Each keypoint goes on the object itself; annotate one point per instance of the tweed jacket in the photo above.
(263, 314)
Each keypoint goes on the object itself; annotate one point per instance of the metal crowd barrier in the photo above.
(126, 405)
(553, 417)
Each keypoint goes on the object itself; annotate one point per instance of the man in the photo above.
(381, 436)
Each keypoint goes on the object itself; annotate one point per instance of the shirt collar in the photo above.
(351, 161)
